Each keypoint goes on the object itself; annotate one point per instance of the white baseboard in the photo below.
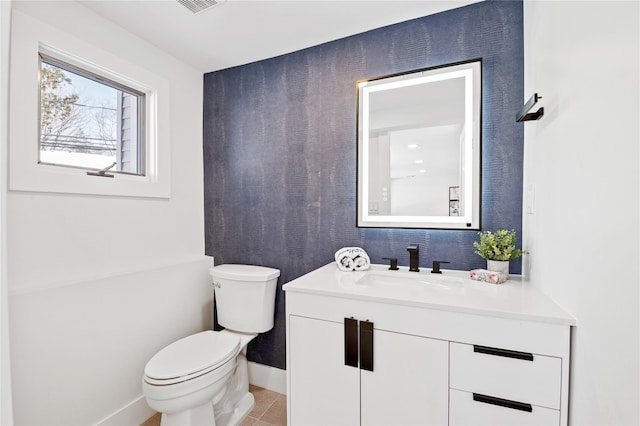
(134, 413)
(271, 378)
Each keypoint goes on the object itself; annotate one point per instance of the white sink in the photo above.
(405, 278)
(400, 285)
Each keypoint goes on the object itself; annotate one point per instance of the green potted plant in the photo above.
(498, 248)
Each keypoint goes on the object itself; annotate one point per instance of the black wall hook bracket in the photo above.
(525, 115)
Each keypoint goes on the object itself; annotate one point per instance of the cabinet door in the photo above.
(323, 390)
(409, 384)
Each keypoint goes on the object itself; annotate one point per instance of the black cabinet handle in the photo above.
(502, 402)
(351, 342)
(366, 345)
(503, 352)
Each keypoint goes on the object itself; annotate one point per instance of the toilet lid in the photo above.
(192, 354)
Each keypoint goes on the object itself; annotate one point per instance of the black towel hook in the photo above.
(525, 115)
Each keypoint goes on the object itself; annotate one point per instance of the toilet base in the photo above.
(244, 407)
(236, 402)
(202, 416)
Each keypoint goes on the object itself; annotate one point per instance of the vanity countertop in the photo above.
(451, 291)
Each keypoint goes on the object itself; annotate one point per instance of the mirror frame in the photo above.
(471, 70)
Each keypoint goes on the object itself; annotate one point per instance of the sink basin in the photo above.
(380, 282)
(405, 278)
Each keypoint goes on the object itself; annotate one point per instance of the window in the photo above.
(89, 121)
(122, 97)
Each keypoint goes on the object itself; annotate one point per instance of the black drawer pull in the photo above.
(502, 402)
(503, 352)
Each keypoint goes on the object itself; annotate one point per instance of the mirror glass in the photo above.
(419, 148)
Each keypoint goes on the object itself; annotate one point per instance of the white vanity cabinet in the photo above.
(408, 384)
(445, 350)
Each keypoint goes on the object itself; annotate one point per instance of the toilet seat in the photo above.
(191, 357)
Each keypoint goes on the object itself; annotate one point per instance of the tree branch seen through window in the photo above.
(87, 123)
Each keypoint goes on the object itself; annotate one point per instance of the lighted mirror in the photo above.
(419, 148)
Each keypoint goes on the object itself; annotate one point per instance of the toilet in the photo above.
(203, 379)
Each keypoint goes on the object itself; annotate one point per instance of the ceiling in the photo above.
(238, 32)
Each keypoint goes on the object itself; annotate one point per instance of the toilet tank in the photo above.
(245, 296)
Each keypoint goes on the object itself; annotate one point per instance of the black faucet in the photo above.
(413, 258)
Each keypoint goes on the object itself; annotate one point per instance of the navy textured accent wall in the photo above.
(280, 148)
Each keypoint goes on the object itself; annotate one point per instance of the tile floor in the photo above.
(270, 410)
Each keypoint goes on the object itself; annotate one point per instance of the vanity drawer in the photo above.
(465, 410)
(517, 376)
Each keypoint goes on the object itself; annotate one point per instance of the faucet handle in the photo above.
(436, 266)
(394, 263)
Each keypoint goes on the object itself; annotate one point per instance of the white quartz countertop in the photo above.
(451, 291)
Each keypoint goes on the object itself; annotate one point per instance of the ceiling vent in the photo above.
(197, 6)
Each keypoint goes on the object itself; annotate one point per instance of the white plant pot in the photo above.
(498, 266)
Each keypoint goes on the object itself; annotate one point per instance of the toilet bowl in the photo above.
(203, 379)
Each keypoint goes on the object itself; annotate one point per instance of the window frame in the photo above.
(51, 59)
(29, 37)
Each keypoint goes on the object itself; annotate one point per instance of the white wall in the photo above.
(98, 284)
(79, 351)
(582, 159)
(6, 408)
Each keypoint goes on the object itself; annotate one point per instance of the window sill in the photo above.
(65, 180)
